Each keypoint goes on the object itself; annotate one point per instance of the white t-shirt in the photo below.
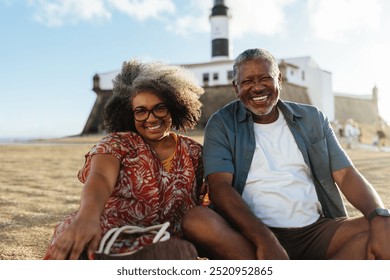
(279, 188)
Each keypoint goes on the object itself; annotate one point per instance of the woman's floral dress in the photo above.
(145, 193)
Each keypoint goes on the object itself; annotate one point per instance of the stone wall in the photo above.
(94, 124)
(363, 111)
(218, 96)
(213, 99)
(359, 109)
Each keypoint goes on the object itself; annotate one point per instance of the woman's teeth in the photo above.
(154, 127)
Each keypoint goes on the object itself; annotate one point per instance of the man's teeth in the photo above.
(260, 98)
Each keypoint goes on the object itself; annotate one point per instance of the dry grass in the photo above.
(38, 187)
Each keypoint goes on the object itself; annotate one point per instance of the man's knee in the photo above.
(356, 248)
(350, 240)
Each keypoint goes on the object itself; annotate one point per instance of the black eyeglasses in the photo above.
(159, 111)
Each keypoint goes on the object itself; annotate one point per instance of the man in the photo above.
(273, 168)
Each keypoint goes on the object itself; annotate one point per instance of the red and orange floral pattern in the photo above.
(145, 193)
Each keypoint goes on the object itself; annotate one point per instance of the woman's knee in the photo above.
(193, 219)
(199, 221)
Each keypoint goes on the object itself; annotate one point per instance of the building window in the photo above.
(303, 75)
(215, 76)
(230, 75)
(292, 72)
(205, 77)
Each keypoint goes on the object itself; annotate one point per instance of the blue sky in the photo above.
(50, 50)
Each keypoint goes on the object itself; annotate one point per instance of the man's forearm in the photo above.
(357, 190)
(233, 208)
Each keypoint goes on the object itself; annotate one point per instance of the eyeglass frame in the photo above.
(158, 106)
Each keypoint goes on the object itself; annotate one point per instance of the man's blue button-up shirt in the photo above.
(229, 145)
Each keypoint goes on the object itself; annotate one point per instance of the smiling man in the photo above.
(275, 171)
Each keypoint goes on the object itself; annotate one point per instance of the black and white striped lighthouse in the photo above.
(219, 20)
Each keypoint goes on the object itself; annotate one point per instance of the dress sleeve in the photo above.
(112, 144)
(202, 188)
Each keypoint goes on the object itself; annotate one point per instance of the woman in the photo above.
(142, 173)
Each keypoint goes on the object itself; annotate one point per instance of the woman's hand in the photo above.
(80, 234)
(85, 230)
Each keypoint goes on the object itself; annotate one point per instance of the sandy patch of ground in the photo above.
(38, 187)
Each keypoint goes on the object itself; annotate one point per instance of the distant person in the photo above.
(273, 168)
(142, 173)
(350, 133)
(338, 128)
(381, 135)
(359, 133)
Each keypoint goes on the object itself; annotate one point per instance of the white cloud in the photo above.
(59, 12)
(257, 16)
(145, 9)
(333, 19)
(194, 19)
(248, 16)
(187, 25)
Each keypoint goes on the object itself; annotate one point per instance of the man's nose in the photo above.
(257, 85)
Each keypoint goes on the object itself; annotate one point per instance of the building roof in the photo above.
(302, 62)
(355, 96)
(105, 79)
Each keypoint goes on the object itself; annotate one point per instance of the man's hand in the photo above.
(378, 246)
(272, 251)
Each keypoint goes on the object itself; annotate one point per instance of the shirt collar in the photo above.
(288, 112)
(243, 113)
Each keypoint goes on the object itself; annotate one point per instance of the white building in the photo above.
(305, 81)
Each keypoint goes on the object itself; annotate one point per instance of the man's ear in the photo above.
(280, 80)
(235, 87)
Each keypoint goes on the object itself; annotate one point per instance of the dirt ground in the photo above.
(38, 187)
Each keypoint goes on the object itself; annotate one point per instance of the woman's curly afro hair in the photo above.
(175, 85)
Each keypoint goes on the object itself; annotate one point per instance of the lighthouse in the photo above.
(219, 20)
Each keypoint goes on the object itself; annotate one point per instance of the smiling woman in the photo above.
(141, 166)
